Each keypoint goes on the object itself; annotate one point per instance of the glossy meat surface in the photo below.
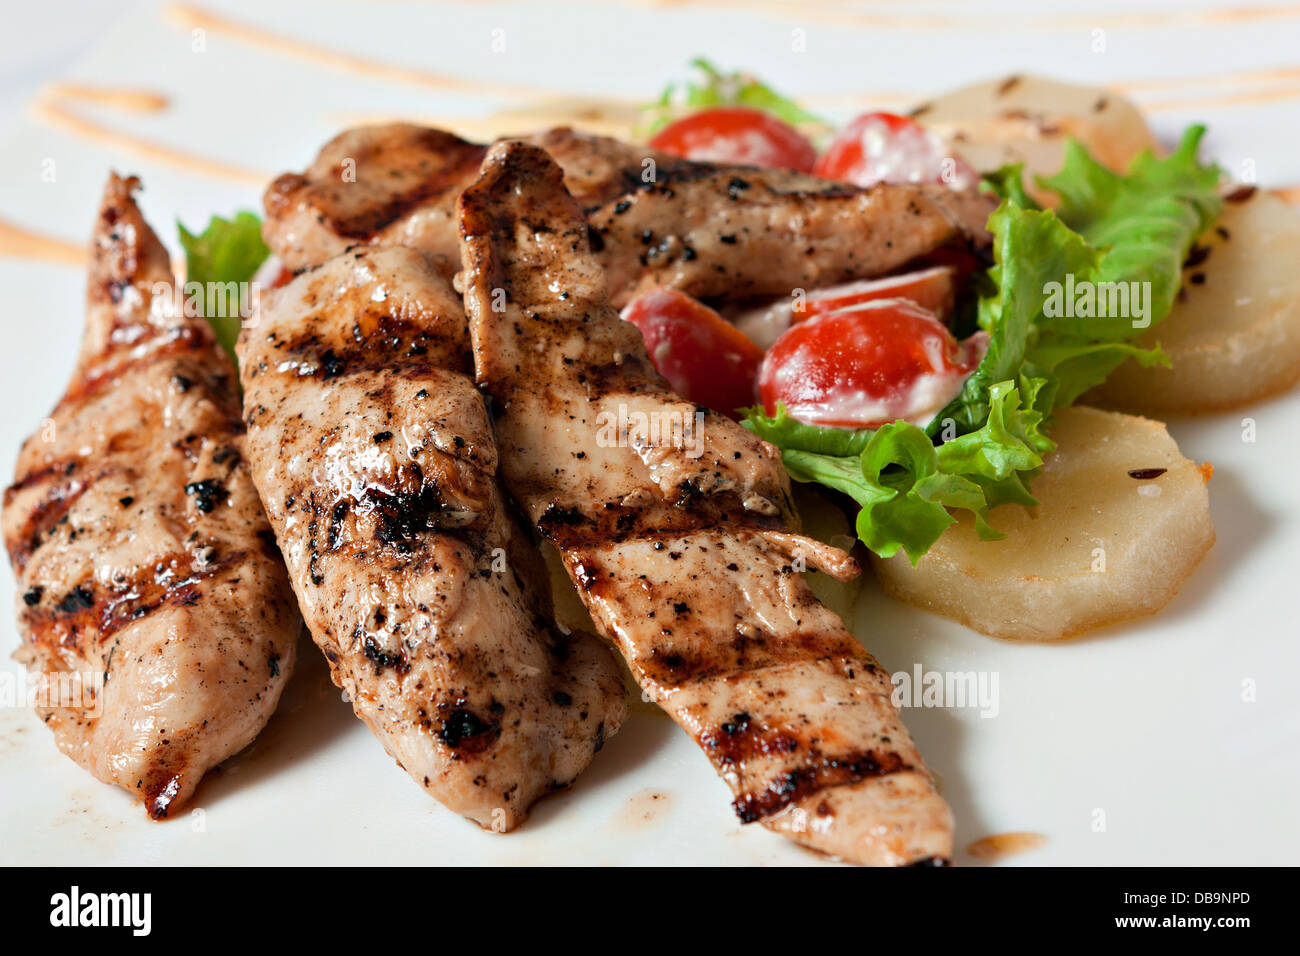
(151, 586)
(375, 458)
(715, 232)
(676, 530)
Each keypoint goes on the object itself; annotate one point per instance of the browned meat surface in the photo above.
(375, 459)
(144, 560)
(716, 232)
(675, 524)
(729, 232)
(394, 184)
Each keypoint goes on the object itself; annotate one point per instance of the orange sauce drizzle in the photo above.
(133, 101)
(55, 113)
(1001, 845)
(193, 17)
(25, 244)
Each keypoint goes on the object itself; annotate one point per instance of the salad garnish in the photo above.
(985, 447)
(228, 250)
(716, 88)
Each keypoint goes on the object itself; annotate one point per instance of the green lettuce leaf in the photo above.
(1111, 230)
(715, 88)
(904, 485)
(1126, 234)
(227, 251)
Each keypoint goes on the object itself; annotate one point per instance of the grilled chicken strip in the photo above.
(715, 232)
(374, 456)
(142, 554)
(676, 526)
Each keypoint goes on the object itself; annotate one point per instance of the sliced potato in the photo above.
(1027, 119)
(1110, 539)
(1233, 336)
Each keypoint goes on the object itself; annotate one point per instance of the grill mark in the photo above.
(741, 738)
(687, 172)
(391, 342)
(162, 344)
(63, 466)
(45, 515)
(792, 786)
(672, 664)
(331, 364)
(107, 612)
(449, 163)
(585, 526)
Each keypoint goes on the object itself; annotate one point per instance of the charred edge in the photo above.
(207, 494)
(794, 785)
(556, 518)
(160, 795)
(404, 511)
(465, 732)
(270, 547)
(381, 659)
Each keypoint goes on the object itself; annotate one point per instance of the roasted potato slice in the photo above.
(1123, 519)
(1027, 119)
(1233, 336)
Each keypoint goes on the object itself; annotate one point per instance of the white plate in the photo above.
(1134, 745)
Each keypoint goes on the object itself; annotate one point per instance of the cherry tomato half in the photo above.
(704, 357)
(934, 290)
(737, 134)
(888, 148)
(867, 365)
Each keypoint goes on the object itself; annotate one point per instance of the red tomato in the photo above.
(887, 148)
(933, 289)
(867, 365)
(272, 274)
(737, 134)
(704, 357)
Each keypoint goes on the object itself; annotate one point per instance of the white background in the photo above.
(1143, 722)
